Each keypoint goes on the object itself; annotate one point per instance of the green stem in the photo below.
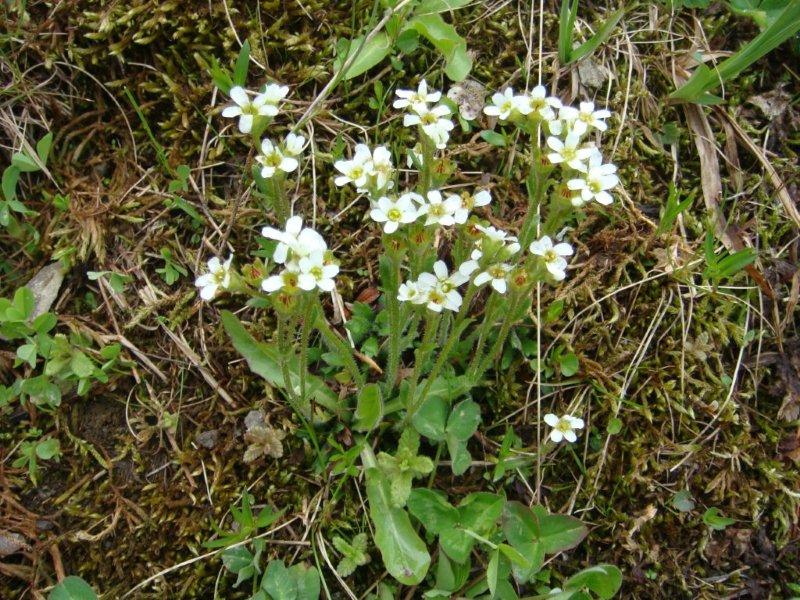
(497, 347)
(305, 334)
(495, 302)
(422, 351)
(395, 325)
(338, 345)
(280, 201)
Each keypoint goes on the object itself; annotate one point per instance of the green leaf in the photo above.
(600, 36)
(494, 138)
(24, 162)
(265, 360)
(559, 532)
(716, 520)
(278, 582)
(408, 41)
(370, 53)
(433, 510)
(27, 354)
(683, 501)
(369, 409)
(307, 580)
(614, 426)
(446, 39)
(404, 554)
(48, 448)
(603, 580)
(464, 420)
(72, 588)
(492, 571)
(81, 365)
(43, 147)
(704, 79)
(460, 458)
(763, 12)
(9, 184)
(566, 25)
(22, 305)
(569, 364)
(436, 6)
(431, 418)
(240, 68)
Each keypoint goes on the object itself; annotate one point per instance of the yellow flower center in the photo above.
(550, 255)
(394, 214)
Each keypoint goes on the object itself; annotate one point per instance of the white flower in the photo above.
(440, 287)
(273, 160)
(538, 104)
(314, 272)
(410, 292)
(499, 236)
(416, 99)
(563, 427)
(496, 274)
(218, 276)
(594, 184)
(553, 255)
(294, 144)
(263, 105)
(287, 278)
(355, 170)
(301, 241)
(502, 105)
(433, 123)
(467, 202)
(439, 211)
(568, 151)
(394, 212)
(585, 117)
(381, 167)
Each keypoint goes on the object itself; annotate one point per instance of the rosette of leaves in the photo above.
(404, 466)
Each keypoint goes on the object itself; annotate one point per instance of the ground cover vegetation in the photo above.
(399, 299)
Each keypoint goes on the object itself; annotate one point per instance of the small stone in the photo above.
(11, 543)
(208, 439)
(45, 285)
(592, 74)
(255, 418)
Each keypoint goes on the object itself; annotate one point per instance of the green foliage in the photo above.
(404, 466)
(354, 554)
(566, 27)
(705, 79)
(72, 588)
(724, 265)
(402, 34)
(716, 520)
(673, 208)
(21, 162)
(369, 410)
(247, 523)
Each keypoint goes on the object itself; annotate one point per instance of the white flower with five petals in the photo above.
(316, 273)
(440, 287)
(272, 160)
(301, 241)
(569, 151)
(469, 201)
(496, 275)
(434, 123)
(563, 427)
(581, 119)
(503, 104)
(553, 255)
(595, 183)
(394, 212)
(263, 105)
(218, 276)
(416, 99)
(538, 104)
(357, 169)
(294, 144)
(438, 211)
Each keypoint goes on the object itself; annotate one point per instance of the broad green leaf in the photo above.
(464, 420)
(43, 147)
(763, 12)
(26, 353)
(603, 580)
(307, 580)
(460, 458)
(492, 571)
(569, 364)
(278, 582)
(404, 553)
(22, 305)
(264, 360)
(240, 68)
(408, 41)
(24, 162)
(369, 409)
(72, 588)
(9, 184)
(446, 39)
(431, 418)
(48, 448)
(370, 53)
(81, 365)
(493, 138)
(716, 520)
(559, 532)
(451, 575)
(432, 510)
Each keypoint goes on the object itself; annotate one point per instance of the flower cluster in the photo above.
(436, 290)
(589, 177)
(433, 121)
(307, 262)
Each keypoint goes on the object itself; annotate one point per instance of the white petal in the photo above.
(231, 111)
(246, 123)
(272, 284)
(239, 95)
(499, 285)
(551, 419)
(570, 436)
(563, 249)
(556, 436)
(482, 278)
